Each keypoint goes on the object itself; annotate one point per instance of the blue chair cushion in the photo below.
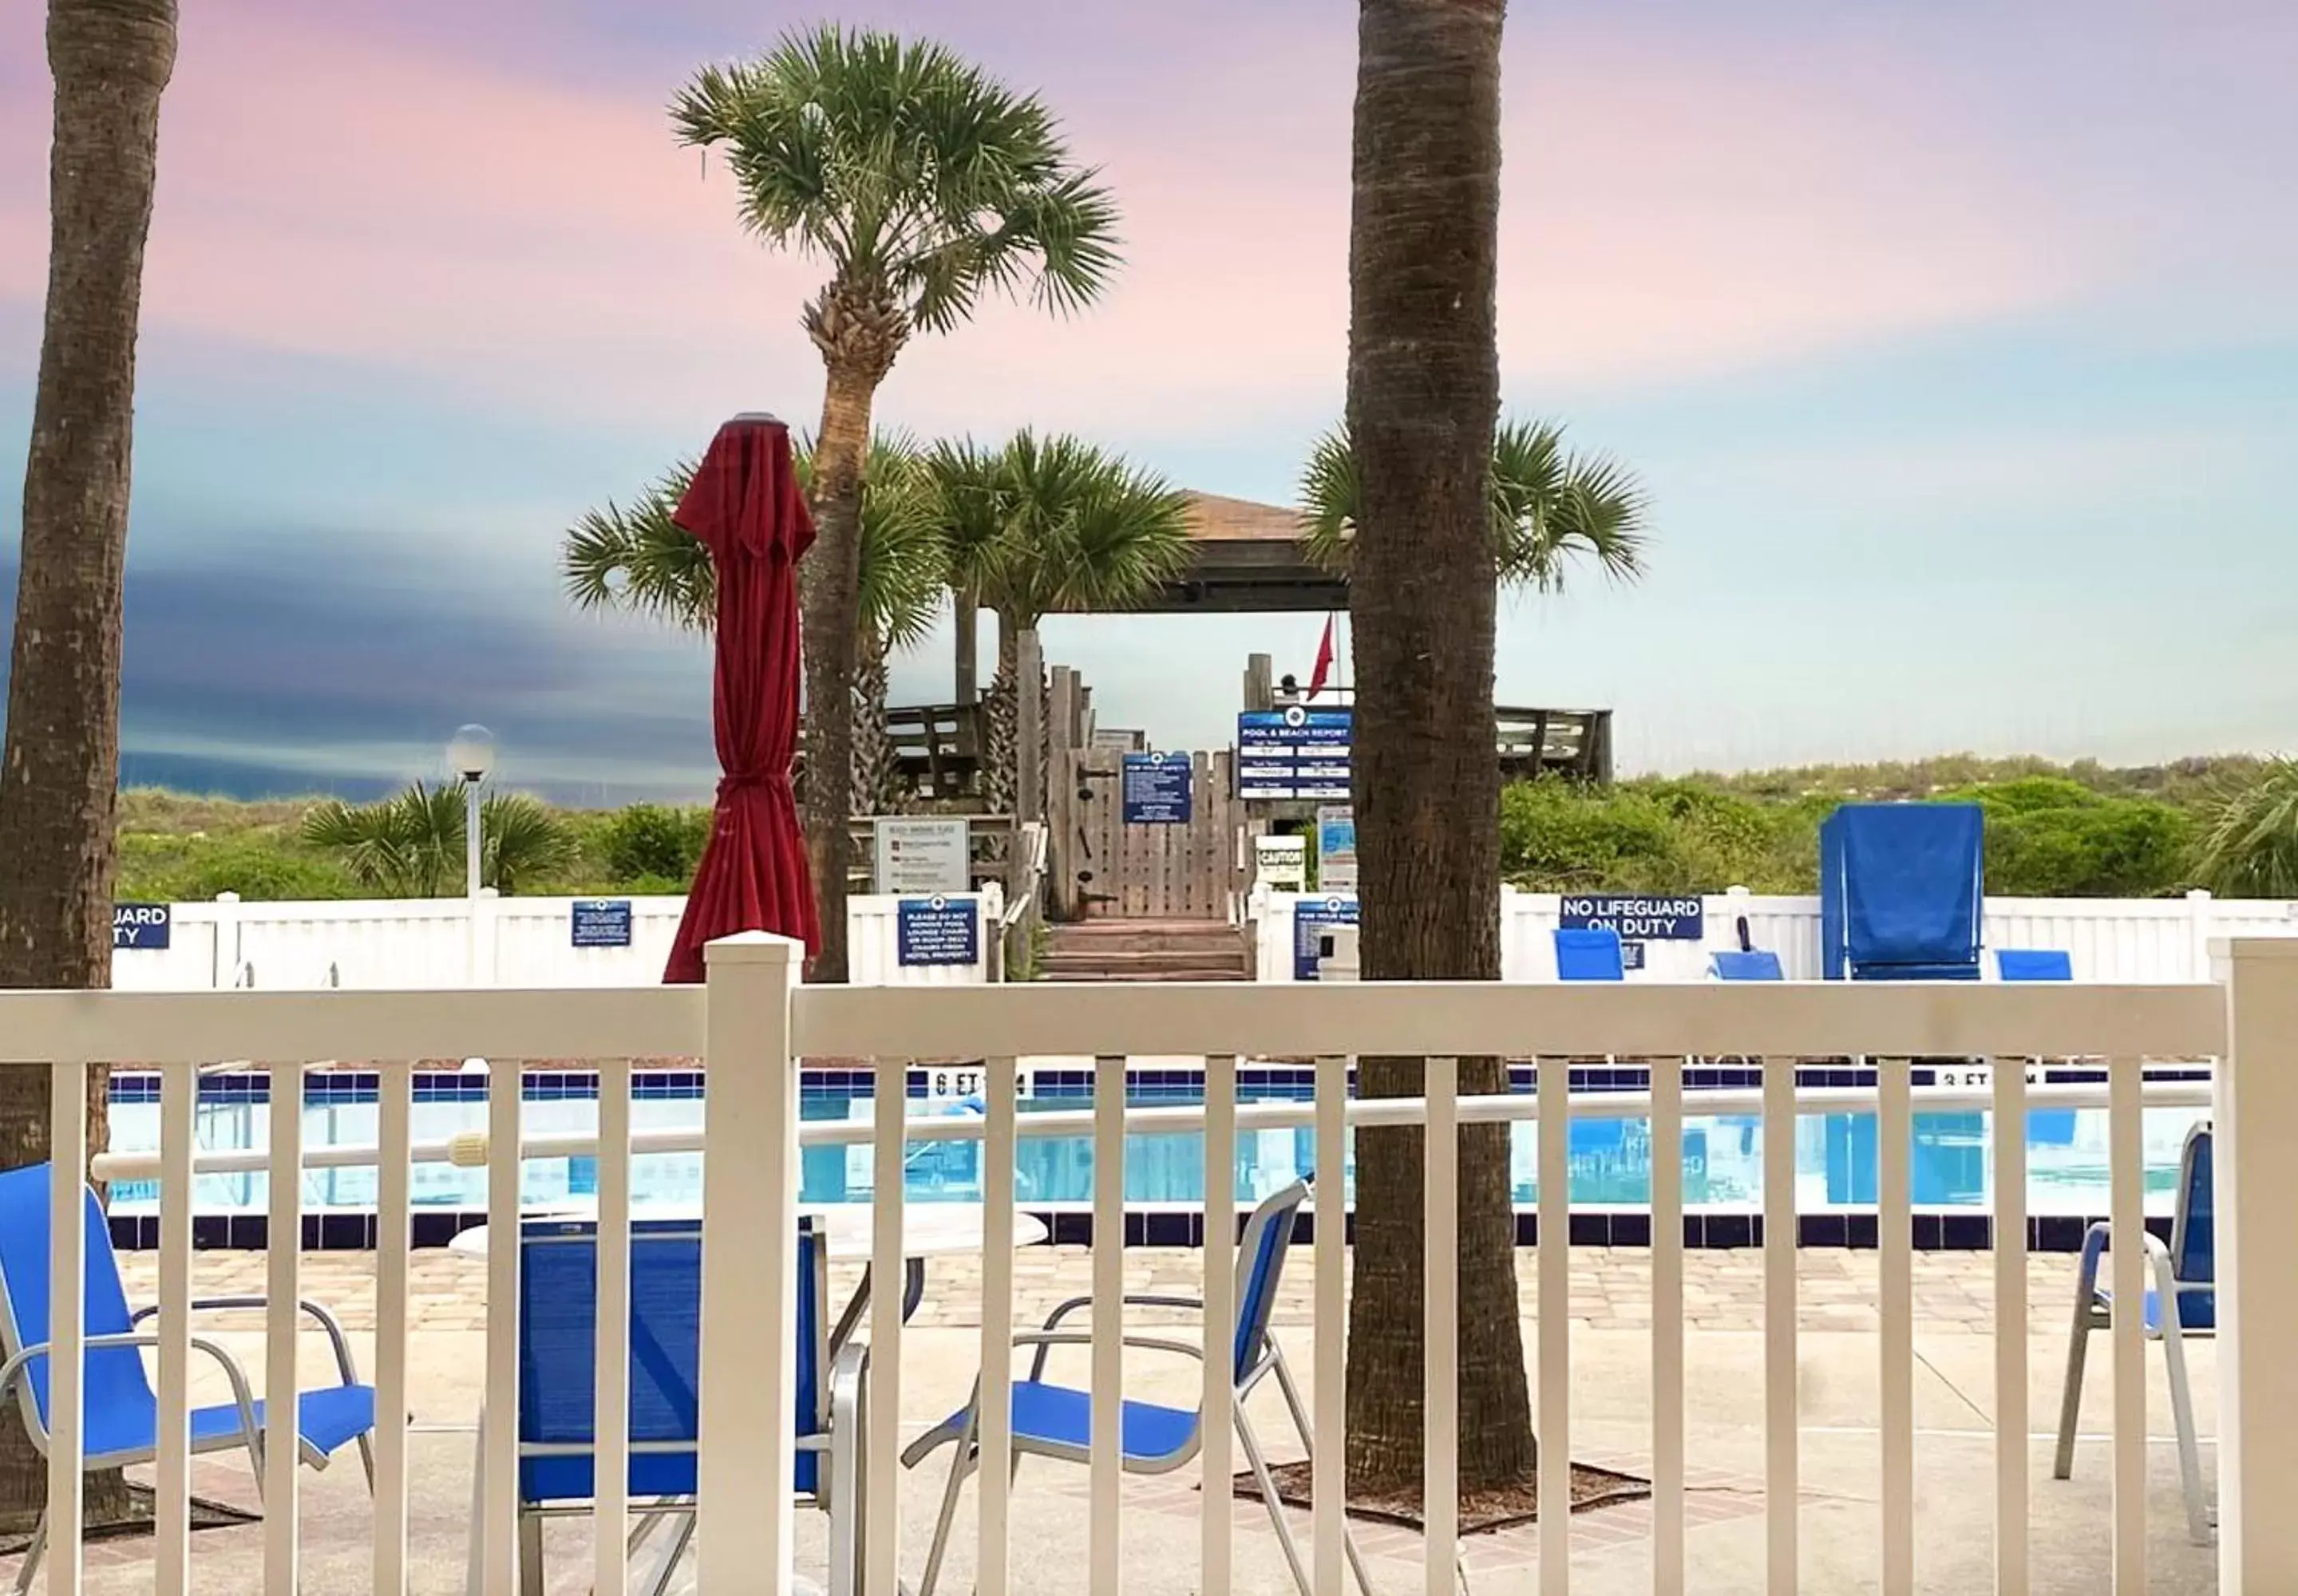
(2197, 1309)
(2034, 964)
(1915, 972)
(1058, 1416)
(652, 1474)
(1759, 963)
(328, 1419)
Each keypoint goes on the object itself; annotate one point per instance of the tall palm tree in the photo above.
(1422, 403)
(1040, 525)
(923, 185)
(1549, 507)
(411, 845)
(59, 767)
(635, 558)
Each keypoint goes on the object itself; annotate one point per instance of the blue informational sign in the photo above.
(602, 923)
(1294, 753)
(1156, 789)
(1311, 917)
(1638, 920)
(141, 925)
(931, 931)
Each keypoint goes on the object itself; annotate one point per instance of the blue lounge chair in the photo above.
(2184, 1276)
(2045, 1127)
(1900, 891)
(120, 1413)
(1589, 953)
(1053, 1421)
(1758, 964)
(557, 1392)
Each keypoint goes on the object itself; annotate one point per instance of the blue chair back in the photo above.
(114, 1378)
(1760, 963)
(1589, 953)
(558, 1356)
(2193, 1236)
(1901, 892)
(2034, 964)
(1261, 1257)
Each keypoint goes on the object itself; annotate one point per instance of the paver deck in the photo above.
(1838, 1382)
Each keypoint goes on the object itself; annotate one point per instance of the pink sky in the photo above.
(332, 189)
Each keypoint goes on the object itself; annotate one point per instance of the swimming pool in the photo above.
(1609, 1166)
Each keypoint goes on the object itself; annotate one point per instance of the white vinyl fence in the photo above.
(2108, 939)
(753, 1021)
(427, 942)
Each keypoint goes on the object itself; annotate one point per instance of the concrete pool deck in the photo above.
(1610, 1309)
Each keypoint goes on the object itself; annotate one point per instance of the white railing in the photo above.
(2107, 939)
(395, 944)
(753, 1021)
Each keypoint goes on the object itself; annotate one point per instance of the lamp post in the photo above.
(471, 756)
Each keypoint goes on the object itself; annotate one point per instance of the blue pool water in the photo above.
(1609, 1166)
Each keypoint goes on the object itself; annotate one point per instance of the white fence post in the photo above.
(2201, 906)
(749, 1267)
(223, 960)
(2256, 1192)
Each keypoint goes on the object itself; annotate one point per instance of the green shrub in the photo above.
(260, 865)
(654, 842)
(2050, 837)
(1650, 836)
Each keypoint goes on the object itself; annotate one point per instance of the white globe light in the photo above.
(471, 753)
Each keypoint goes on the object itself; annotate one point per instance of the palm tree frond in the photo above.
(1055, 523)
(637, 559)
(1328, 500)
(1549, 508)
(906, 169)
(2248, 844)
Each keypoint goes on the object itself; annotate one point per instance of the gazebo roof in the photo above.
(1248, 559)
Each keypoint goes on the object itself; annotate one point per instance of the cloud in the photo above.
(294, 658)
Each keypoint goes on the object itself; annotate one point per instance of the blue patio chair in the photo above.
(1758, 964)
(119, 1412)
(2183, 1275)
(557, 1391)
(1589, 953)
(1054, 1421)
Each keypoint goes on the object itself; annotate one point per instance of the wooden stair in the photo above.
(1148, 950)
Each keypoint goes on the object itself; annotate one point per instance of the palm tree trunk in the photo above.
(59, 772)
(1001, 721)
(877, 765)
(1424, 396)
(829, 598)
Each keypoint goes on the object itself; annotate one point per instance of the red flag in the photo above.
(1324, 660)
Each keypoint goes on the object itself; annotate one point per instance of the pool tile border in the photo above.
(1177, 1228)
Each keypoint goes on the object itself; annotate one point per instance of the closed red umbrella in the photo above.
(745, 507)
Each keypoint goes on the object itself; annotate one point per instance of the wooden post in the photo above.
(969, 651)
(1030, 729)
(1260, 681)
(1062, 774)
